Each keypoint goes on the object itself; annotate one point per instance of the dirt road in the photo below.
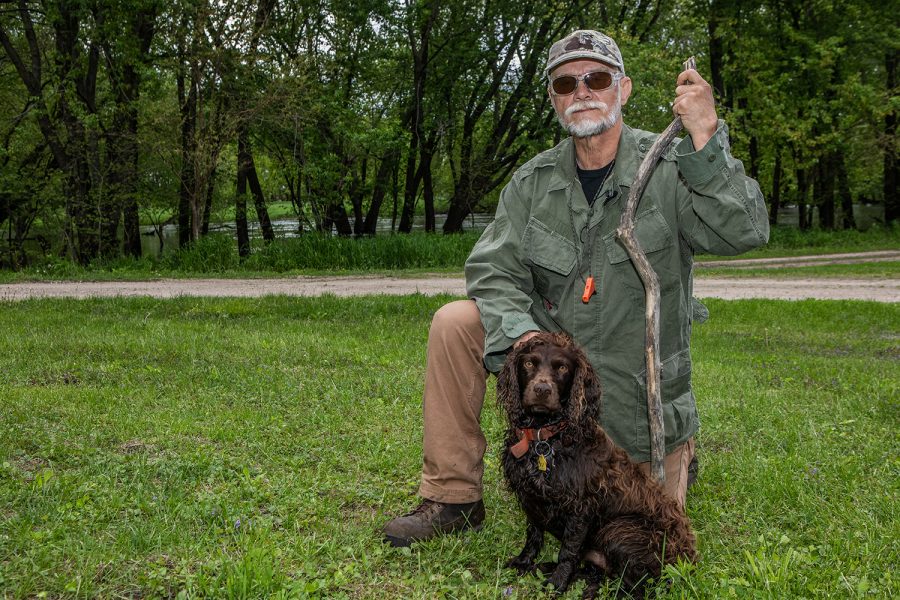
(880, 290)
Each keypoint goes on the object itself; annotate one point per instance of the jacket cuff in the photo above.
(512, 327)
(699, 166)
(516, 325)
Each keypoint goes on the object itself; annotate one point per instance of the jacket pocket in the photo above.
(552, 258)
(654, 236)
(679, 407)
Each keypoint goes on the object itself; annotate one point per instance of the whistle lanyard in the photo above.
(589, 285)
(588, 252)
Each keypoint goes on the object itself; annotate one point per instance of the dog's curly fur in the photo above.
(605, 511)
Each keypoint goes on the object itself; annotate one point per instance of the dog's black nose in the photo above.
(542, 390)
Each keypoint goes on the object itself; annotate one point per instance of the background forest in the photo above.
(120, 113)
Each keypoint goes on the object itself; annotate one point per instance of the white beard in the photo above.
(588, 127)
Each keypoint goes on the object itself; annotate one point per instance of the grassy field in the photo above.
(252, 448)
(216, 256)
(861, 270)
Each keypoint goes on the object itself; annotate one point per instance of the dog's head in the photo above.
(547, 378)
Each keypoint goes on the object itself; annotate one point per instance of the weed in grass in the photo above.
(253, 448)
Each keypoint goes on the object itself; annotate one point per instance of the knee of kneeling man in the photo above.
(459, 314)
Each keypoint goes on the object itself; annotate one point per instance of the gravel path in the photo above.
(880, 290)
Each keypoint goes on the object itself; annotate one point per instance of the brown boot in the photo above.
(432, 518)
(693, 471)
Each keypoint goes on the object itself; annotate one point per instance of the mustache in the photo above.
(586, 105)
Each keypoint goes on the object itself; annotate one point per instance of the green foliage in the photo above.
(213, 253)
(320, 252)
(315, 252)
(337, 113)
(217, 255)
(250, 448)
(784, 238)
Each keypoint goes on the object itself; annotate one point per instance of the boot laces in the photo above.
(425, 507)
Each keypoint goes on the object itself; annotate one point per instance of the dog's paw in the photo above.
(546, 567)
(560, 578)
(522, 565)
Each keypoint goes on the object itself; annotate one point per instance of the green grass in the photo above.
(252, 448)
(791, 241)
(216, 256)
(862, 270)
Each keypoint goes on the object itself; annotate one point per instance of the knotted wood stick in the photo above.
(648, 276)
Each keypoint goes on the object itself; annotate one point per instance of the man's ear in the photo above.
(625, 85)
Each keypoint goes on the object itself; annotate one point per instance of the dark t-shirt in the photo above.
(591, 180)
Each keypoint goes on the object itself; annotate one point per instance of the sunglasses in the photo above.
(595, 81)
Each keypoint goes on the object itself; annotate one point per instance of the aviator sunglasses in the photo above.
(595, 81)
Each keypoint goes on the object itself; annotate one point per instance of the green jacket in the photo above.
(527, 271)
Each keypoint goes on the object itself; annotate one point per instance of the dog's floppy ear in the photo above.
(584, 398)
(508, 393)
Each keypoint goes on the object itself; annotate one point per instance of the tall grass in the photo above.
(216, 254)
(787, 240)
(252, 448)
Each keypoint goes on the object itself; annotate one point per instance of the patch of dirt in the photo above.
(880, 290)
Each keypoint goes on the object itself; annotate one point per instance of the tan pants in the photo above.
(455, 384)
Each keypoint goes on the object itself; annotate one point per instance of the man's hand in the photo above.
(524, 338)
(695, 104)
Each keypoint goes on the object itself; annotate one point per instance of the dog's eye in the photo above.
(562, 369)
(528, 364)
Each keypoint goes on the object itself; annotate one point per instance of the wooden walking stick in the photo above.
(648, 276)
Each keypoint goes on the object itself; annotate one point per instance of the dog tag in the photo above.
(541, 463)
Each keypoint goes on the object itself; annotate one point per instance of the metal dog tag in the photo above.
(543, 451)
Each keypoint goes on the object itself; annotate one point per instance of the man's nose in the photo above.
(582, 91)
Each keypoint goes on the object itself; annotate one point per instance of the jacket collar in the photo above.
(628, 157)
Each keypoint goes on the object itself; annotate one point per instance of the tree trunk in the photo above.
(395, 194)
(124, 69)
(187, 94)
(754, 151)
(460, 203)
(481, 171)
(823, 191)
(717, 53)
(427, 184)
(379, 190)
(261, 18)
(419, 46)
(240, 205)
(207, 206)
(775, 197)
(891, 166)
(357, 191)
(259, 201)
(847, 219)
(802, 194)
(338, 218)
(121, 190)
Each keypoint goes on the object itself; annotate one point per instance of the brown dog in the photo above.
(573, 481)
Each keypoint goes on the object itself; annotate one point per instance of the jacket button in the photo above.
(712, 158)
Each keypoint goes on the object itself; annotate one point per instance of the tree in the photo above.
(125, 32)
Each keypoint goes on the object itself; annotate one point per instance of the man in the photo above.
(551, 261)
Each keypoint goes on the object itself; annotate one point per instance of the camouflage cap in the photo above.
(584, 43)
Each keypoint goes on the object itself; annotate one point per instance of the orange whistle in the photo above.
(588, 289)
